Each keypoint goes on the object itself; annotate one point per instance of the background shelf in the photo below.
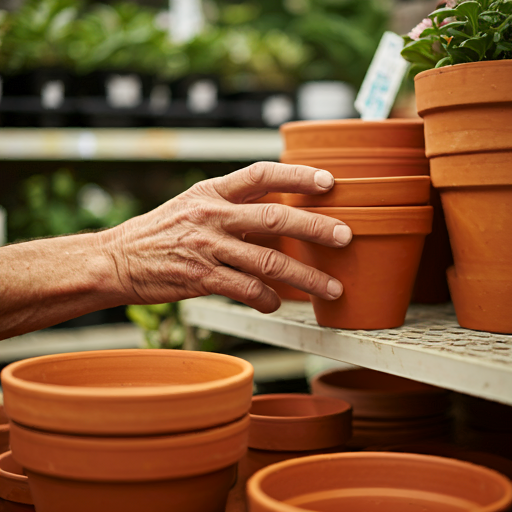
(139, 144)
(430, 347)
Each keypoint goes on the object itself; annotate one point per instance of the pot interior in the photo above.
(385, 483)
(296, 406)
(123, 370)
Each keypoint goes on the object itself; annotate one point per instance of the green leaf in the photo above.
(479, 44)
(447, 61)
(440, 14)
(470, 10)
(419, 51)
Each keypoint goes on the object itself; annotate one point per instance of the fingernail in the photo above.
(334, 288)
(324, 179)
(342, 234)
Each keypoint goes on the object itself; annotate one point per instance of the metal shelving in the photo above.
(430, 347)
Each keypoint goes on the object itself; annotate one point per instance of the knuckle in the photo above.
(253, 289)
(257, 171)
(273, 216)
(272, 263)
(315, 226)
(311, 279)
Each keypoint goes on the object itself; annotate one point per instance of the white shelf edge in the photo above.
(469, 375)
(139, 144)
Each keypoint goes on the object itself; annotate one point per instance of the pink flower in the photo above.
(415, 33)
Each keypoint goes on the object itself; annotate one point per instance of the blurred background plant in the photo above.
(57, 204)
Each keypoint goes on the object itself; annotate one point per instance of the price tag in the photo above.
(383, 78)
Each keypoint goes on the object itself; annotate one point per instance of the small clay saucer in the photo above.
(387, 191)
(13, 481)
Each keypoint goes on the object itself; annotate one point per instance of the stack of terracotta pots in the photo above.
(288, 426)
(387, 409)
(129, 430)
(467, 110)
(381, 191)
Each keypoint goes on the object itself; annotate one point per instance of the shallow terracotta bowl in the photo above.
(127, 392)
(384, 482)
(387, 191)
(13, 481)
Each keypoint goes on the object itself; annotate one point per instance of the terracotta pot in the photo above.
(13, 485)
(353, 133)
(377, 269)
(481, 303)
(380, 396)
(131, 474)
(388, 191)
(127, 392)
(378, 481)
(4, 431)
(287, 426)
(467, 108)
(489, 460)
(355, 153)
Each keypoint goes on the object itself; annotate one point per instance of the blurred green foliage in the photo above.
(60, 204)
(250, 44)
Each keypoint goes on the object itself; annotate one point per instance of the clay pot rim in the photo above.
(293, 126)
(19, 482)
(6, 474)
(432, 390)
(96, 447)
(131, 393)
(421, 178)
(343, 153)
(345, 408)
(254, 483)
(455, 67)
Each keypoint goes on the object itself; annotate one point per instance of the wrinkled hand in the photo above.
(193, 245)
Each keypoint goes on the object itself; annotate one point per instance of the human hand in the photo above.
(193, 245)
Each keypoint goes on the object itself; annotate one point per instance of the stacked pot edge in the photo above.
(378, 481)
(116, 430)
(387, 409)
(289, 426)
(468, 140)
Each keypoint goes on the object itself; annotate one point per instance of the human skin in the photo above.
(192, 245)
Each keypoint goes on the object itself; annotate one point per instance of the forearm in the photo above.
(44, 282)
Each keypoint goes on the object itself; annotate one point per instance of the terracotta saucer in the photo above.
(13, 481)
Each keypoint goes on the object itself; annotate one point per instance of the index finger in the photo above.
(255, 181)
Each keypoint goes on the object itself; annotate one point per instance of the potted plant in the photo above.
(463, 52)
(34, 61)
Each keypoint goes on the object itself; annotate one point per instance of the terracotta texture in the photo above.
(13, 482)
(4, 431)
(127, 392)
(467, 110)
(126, 474)
(384, 482)
(377, 269)
(294, 422)
(481, 303)
(353, 133)
(287, 426)
(388, 191)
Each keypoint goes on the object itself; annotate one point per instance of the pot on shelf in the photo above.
(127, 392)
(374, 481)
(467, 109)
(15, 494)
(190, 472)
(287, 426)
(377, 269)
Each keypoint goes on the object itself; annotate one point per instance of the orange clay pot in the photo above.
(381, 396)
(353, 133)
(287, 426)
(480, 303)
(127, 392)
(377, 269)
(13, 486)
(387, 191)
(188, 472)
(383, 482)
(4, 431)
